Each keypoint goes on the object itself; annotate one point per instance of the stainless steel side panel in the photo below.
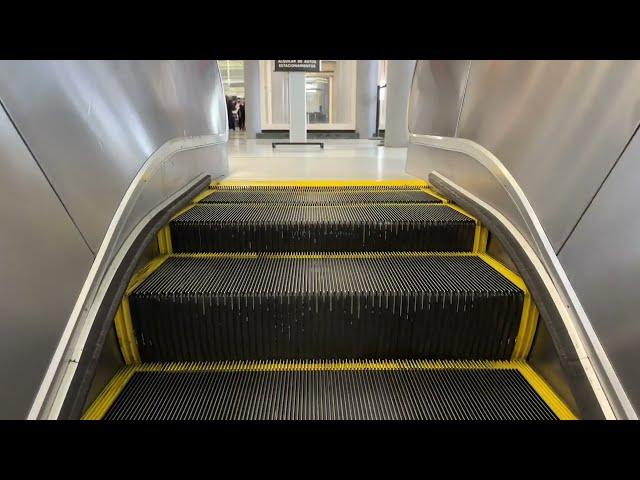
(94, 147)
(437, 92)
(92, 124)
(602, 260)
(558, 126)
(43, 263)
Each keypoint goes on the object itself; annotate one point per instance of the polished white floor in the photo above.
(339, 160)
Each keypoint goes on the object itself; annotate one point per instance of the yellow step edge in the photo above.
(202, 195)
(123, 337)
(435, 194)
(123, 322)
(165, 245)
(346, 205)
(529, 317)
(107, 397)
(553, 401)
(164, 235)
(323, 183)
(141, 275)
(103, 402)
(330, 255)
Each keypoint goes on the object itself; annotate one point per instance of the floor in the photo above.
(339, 160)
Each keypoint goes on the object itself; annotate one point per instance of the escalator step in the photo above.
(382, 390)
(291, 228)
(320, 197)
(289, 306)
(333, 187)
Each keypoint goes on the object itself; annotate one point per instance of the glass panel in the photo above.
(318, 97)
(330, 95)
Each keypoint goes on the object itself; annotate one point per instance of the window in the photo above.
(330, 96)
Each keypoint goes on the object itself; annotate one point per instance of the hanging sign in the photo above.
(297, 65)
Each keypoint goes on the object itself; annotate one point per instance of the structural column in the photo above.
(366, 97)
(399, 76)
(297, 108)
(252, 97)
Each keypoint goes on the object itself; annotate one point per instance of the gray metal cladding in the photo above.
(320, 197)
(320, 307)
(411, 394)
(347, 228)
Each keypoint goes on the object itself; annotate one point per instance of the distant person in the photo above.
(241, 116)
(230, 107)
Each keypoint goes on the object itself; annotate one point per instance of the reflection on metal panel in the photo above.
(436, 96)
(42, 266)
(558, 126)
(602, 260)
(110, 140)
(92, 124)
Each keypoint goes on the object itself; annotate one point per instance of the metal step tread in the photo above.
(358, 227)
(207, 307)
(375, 213)
(308, 273)
(329, 390)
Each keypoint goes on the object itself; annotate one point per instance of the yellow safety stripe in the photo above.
(481, 238)
(433, 193)
(104, 401)
(202, 195)
(122, 332)
(123, 322)
(144, 272)
(323, 255)
(480, 235)
(164, 235)
(269, 204)
(529, 317)
(322, 365)
(323, 183)
(165, 246)
(545, 392)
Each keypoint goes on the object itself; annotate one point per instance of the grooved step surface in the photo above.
(311, 197)
(285, 228)
(288, 307)
(330, 394)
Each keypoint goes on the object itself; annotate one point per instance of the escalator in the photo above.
(325, 300)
